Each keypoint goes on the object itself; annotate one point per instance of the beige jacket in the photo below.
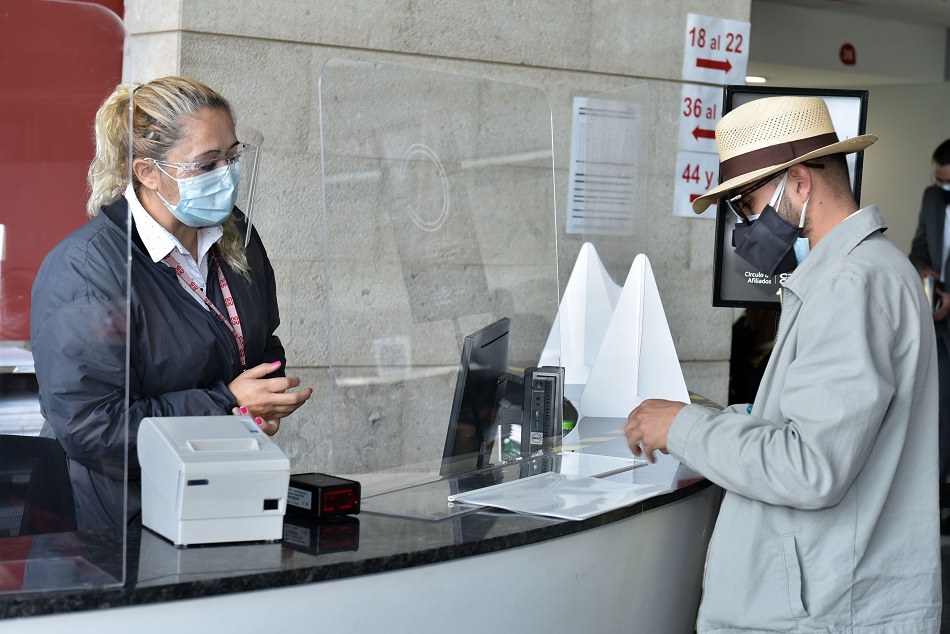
(830, 521)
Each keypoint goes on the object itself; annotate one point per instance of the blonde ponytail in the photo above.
(108, 172)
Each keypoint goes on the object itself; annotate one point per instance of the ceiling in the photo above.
(925, 12)
(929, 12)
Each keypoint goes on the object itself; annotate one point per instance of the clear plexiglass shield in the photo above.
(607, 221)
(59, 61)
(252, 141)
(441, 274)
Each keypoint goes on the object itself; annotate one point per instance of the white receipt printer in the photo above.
(211, 479)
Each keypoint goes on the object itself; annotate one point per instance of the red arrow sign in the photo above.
(714, 64)
(703, 133)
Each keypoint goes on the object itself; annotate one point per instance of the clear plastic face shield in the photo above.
(249, 160)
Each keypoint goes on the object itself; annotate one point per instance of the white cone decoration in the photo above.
(582, 319)
(637, 358)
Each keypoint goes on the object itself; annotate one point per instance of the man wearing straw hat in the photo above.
(830, 518)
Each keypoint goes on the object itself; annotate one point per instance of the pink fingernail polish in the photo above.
(276, 363)
(243, 410)
(259, 421)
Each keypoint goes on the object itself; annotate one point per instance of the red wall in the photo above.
(58, 62)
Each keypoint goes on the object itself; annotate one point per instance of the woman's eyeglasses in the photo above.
(203, 167)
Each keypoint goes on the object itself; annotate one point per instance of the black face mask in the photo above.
(767, 243)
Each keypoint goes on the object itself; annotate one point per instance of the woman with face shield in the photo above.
(202, 306)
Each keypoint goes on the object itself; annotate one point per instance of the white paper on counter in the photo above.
(559, 495)
(596, 466)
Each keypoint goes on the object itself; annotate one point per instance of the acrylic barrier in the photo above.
(607, 216)
(58, 62)
(441, 266)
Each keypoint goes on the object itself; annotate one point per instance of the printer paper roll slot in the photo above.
(223, 444)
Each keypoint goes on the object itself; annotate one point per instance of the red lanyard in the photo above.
(234, 323)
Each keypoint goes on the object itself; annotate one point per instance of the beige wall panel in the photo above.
(646, 38)
(708, 379)
(307, 436)
(151, 55)
(153, 16)
(529, 32)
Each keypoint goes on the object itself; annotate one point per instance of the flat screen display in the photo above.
(479, 399)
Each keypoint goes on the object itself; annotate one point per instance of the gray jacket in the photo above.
(830, 520)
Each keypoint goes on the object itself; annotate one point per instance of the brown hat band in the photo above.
(774, 155)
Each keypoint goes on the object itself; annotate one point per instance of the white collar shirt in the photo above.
(159, 242)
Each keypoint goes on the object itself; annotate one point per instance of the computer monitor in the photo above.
(479, 399)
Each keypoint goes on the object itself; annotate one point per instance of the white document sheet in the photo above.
(560, 495)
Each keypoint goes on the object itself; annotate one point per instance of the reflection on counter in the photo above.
(161, 563)
(313, 537)
(431, 501)
(60, 561)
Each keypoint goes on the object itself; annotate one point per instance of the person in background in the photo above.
(829, 520)
(202, 307)
(928, 254)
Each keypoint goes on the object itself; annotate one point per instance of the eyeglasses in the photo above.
(203, 167)
(742, 207)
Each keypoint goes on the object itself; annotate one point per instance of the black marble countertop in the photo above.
(368, 543)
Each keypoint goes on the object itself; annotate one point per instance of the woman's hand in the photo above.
(268, 399)
(269, 427)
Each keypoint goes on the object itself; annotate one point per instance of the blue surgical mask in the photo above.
(205, 200)
(802, 246)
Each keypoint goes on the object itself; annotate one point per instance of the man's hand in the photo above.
(648, 425)
(943, 305)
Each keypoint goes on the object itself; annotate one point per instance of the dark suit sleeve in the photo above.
(919, 246)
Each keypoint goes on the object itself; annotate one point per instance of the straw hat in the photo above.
(768, 135)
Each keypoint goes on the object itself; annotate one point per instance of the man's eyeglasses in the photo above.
(203, 167)
(743, 208)
(738, 203)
